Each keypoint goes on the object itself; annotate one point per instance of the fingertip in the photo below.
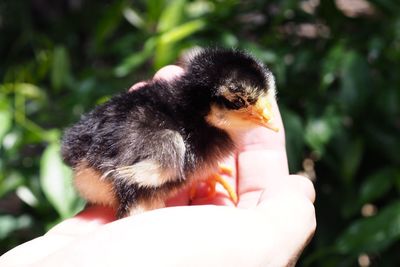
(306, 186)
(169, 72)
(166, 73)
(84, 222)
(103, 214)
(137, 86)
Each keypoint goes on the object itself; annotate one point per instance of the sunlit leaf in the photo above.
(182, 31)
(28, 90)
(319, 131)
(264, 55)
(56, 181)
(154, 9)
(133, 17)
(133, 61)
(10, 182)
(229, 40)
(199, 8)
(171, 15)
(164, 49)
(9, 224)
(26, 195)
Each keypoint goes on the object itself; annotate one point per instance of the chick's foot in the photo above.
(211, 183)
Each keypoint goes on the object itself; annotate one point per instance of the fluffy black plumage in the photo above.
(143, 146)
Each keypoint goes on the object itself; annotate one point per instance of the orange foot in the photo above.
(212, 182)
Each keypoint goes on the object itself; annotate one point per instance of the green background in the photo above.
(337, 66)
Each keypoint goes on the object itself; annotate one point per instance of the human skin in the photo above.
(272, 223)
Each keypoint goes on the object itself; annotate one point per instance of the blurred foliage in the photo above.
(337, 66)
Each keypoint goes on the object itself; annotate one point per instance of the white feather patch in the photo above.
(147, 173)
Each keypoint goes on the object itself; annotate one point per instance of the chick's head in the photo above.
(242, 91)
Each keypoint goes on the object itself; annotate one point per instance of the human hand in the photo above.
(272, 223)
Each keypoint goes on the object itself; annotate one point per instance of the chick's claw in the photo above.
(225, 170)
(211, 183)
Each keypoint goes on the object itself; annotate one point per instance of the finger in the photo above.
(85, 222)
(262, 234)
(168, 73)
(295, 186)
(303, 186)
(262, 162)
(181, 199)
(60, 236)
(137, 86)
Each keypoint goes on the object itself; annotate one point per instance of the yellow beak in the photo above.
(261, 114)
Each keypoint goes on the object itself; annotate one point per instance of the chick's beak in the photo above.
(261, 114)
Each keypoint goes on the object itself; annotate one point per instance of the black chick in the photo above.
(140, 148)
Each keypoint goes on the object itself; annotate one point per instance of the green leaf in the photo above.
(171, 16)
(133, 17)
(319, 131)
(5, 117)
(165, 46)
(199, 8)
(9, 224)
(27, 90)
(154, 9)
(318, 134)
(182, 31)
(56, 181)
(133, 61)
(10, 183)
(372, 234)
(267, 56)
(229, 40)
(60, 67)
(26, 195)
(331, 65)
(377, 185)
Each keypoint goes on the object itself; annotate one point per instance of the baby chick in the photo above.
(141, 147)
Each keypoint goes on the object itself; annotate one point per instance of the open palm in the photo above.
(273, 221)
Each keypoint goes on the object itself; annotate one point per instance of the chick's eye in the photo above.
(251, 99)
(237, 103)
(240, 103)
